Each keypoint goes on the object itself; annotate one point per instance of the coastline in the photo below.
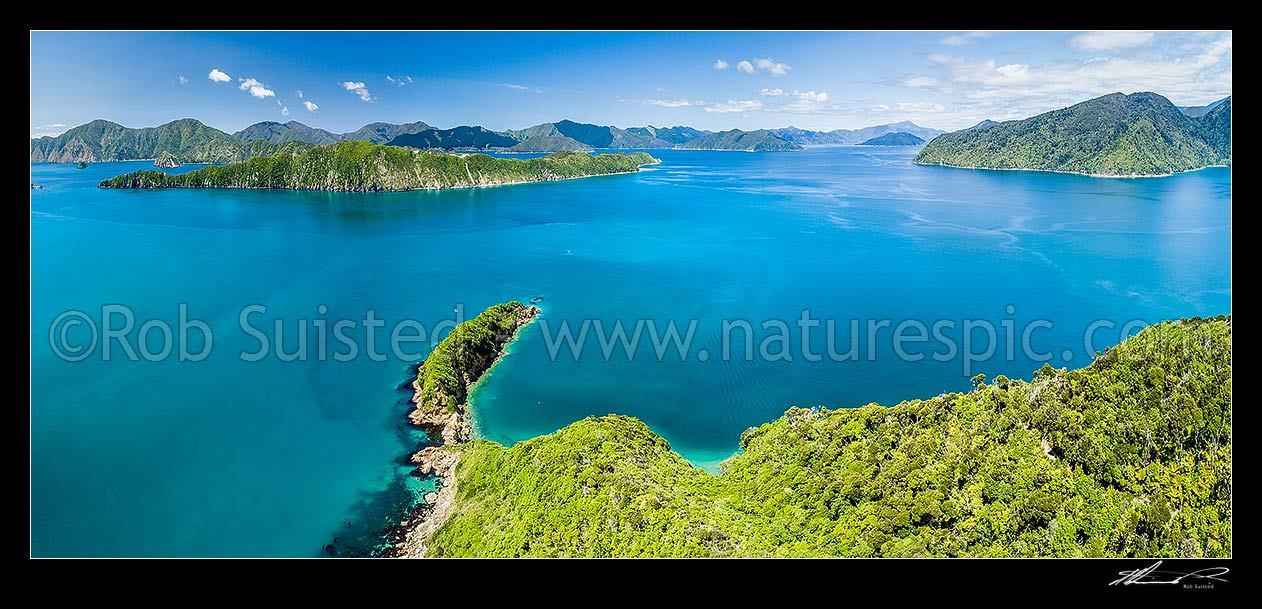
(447, 420)
(1076, 173)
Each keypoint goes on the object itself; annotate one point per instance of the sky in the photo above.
(510, 80)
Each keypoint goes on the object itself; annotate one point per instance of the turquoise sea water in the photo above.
(224, 457)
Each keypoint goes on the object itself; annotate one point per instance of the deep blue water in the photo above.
(224, 457)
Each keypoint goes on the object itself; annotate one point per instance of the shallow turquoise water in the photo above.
(225, 457)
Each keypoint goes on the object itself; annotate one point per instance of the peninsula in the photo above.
(1130, 456)
(441, 395)
(365, 167)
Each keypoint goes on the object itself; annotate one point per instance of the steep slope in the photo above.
(380, 133)
(292, 131)
(670, 135)
(549, 143)
(1137, 134)
(100, 140)
(457, 138)
(1215, 127)
(1130, 456)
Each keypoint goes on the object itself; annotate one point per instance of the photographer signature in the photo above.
(1151, 575)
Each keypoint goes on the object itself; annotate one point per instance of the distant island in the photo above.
(1070, 463)
(747, 141)
(893, 139)
(1141, 134)
(366, 167)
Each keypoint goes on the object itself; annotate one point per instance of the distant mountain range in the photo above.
(187, 140)
(761, 140)
(893, 139)
(1199, 111)
(852, 136)
(190, 141)
(981, 125)
(1117, 134)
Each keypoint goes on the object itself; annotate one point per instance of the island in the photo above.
(899, 138)
(365, 167)
(1117, 135)
(1129, 456)
(166, 160)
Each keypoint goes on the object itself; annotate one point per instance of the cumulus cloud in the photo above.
(963, 38)
(310, 105)
(774, 67)
(810, 102)
(298, 93)
(669, 103)
(1189, 68)
(1110, 40)
(745, 67)
(358, 88)
(719, 64)
(183, 81)
(217, 76)
(284, 111)
(919, 81)
(771, 92)
(1202, 71)
(256, 88)
(732, 105)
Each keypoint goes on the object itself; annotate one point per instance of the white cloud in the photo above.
(218, 76)
(1189, 68)
(311, 106)
(358, 88)
(745, 67)
(919, 81)
(732, 105)
(771, 92)
(284, 111)
(399, 82)
(49, 130)
(963, 38)
(719, 64)
(776, 68)
(298, 93)
(256, 88)
(183, 81)
(1110, 40)
(669, 103)
(1203, 72)
(517, 87)
(810, 102)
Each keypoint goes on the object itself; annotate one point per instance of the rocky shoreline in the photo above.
(444, 418)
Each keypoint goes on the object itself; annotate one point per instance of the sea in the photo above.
(191, 397)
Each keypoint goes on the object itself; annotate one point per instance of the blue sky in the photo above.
(719, 80)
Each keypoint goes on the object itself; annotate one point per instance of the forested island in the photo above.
(1140, 134)
(364, 167)
(1130, 456)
